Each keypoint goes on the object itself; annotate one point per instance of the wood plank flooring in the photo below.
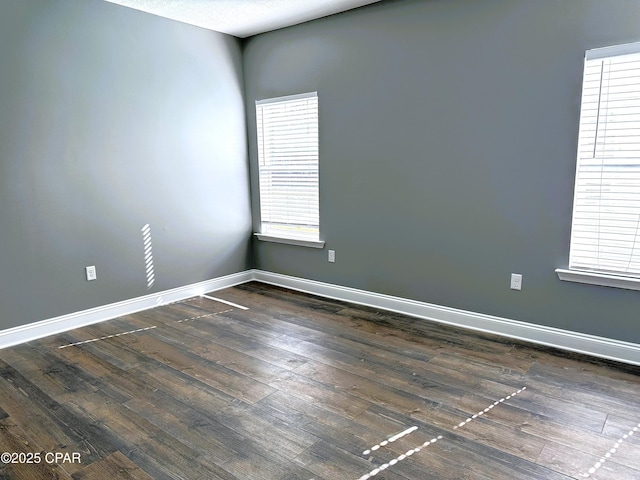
(299, 387)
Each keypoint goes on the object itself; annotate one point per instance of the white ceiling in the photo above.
(243, 18)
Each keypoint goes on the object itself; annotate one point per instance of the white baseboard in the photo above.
(33, 331)
(553, 337)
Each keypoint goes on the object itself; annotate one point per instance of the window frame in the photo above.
(597, 276)
(282, 231)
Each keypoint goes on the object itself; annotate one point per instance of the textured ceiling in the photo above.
(243, 18)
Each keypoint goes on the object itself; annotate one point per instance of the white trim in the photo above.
(553, 337)
(286, 98)
(44, 328)
(602, 279)
(612, 51)
(291, 241)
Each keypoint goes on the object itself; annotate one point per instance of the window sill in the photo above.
(602, 279)
(290, 241)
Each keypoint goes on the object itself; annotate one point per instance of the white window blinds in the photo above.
(605, 234)
(288, 166)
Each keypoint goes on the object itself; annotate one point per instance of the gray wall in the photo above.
(111, 119)
(448, 133)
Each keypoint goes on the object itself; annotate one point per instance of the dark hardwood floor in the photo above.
(299, 387)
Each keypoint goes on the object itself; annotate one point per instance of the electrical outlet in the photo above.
(91, 273)
(332, 256)
(516, 281)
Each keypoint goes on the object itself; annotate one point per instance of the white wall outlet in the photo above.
(91, 273)
(332, 256)
(516, 281)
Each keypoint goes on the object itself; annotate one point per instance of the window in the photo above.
(288, 168)
(605, 235)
